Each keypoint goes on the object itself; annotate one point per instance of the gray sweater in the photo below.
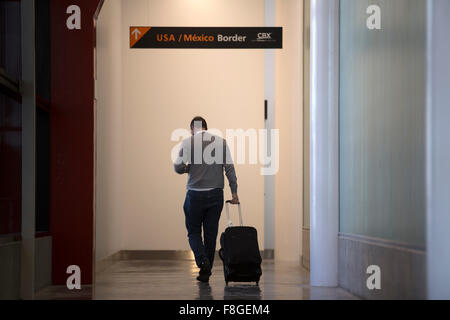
(205, 158)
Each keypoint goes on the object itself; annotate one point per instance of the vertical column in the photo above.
(28, 150)
(324, 180)
(269, 95)
(438, 150)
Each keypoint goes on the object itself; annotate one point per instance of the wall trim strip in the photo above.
(383, 243)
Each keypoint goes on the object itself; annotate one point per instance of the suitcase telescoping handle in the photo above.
(230, 223)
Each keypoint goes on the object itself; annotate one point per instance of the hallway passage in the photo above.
(175, 280)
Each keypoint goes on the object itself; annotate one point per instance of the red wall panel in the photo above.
(72, 140)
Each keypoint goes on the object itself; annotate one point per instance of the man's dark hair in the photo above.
(197, 120)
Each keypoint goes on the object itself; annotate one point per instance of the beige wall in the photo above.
(288, 118)
(161, 91)
(109, 214)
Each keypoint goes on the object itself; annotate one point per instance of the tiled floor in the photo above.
(175, 280)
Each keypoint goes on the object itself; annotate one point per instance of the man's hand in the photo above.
(235, 199)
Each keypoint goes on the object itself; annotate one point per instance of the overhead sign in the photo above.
(206, 38)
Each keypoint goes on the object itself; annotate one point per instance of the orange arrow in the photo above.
(136, 34)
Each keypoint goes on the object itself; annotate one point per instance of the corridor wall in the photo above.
(162, 90)
(139, 197)
(289, 120)
(306, 132)
(109, 217)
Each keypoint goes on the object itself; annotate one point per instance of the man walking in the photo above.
(205, 158)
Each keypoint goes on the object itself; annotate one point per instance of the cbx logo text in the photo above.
(264, 36)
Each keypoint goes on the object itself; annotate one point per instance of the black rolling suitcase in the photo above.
(240, 252)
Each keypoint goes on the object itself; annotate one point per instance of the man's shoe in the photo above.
(203, 278)
(205, 271)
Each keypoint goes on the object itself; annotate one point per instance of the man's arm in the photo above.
(230, 172)
(181, 165)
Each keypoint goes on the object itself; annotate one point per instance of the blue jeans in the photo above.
(203, 209)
